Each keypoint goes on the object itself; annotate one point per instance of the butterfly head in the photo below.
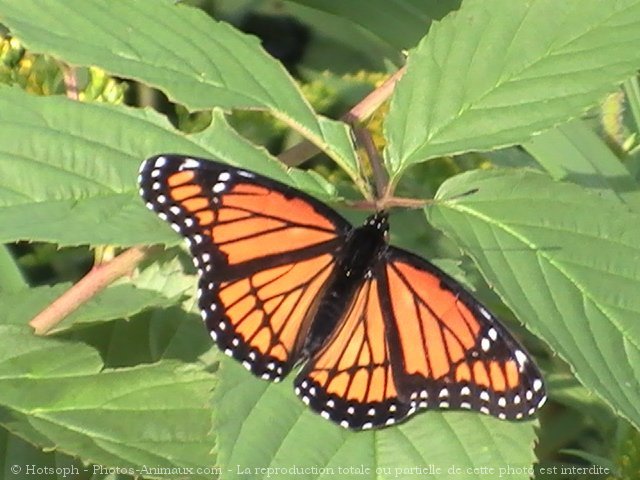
(379, 221)
(380, 224)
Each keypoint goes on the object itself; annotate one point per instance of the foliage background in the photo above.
(525, 97)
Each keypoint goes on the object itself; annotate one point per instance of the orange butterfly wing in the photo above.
(449, 351)
(264, 252)
(414, 339)
(350, 379)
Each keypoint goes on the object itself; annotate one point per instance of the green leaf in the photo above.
(498, 71)
(33, 463)
(153, 335)
(338, 45)
(62, 175)
(402, 29)
(632, 91)
(11, 277)
(195, 60)
(114, 302)
(566, 261)
(265, 426)
(164, 330)
(225, 144)
(573, 152)
(170, 273)
(56, 395)
(19, 307)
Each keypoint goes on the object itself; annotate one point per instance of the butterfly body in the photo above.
(363, 248)
(380, 333)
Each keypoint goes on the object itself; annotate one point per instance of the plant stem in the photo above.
(380, 176)
(304, 150)
(92, 283)
(389, 202)
(70, 81)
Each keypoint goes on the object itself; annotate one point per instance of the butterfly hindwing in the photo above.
(264, 253)
(414, 339)
(448, 350)
(350, 380)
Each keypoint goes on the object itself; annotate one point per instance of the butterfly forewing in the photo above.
(264, 253)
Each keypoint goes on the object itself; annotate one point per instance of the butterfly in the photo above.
(286, 281)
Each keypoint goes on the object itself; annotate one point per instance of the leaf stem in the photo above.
(304, 150)
(389, 202)
(381, 179)
(92, 283)
(70, 81)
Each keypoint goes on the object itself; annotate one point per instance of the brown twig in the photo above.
(304, 150)
(389, 202)
(93, 282)
(381, 179)
(70, 81)
(369, 104)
